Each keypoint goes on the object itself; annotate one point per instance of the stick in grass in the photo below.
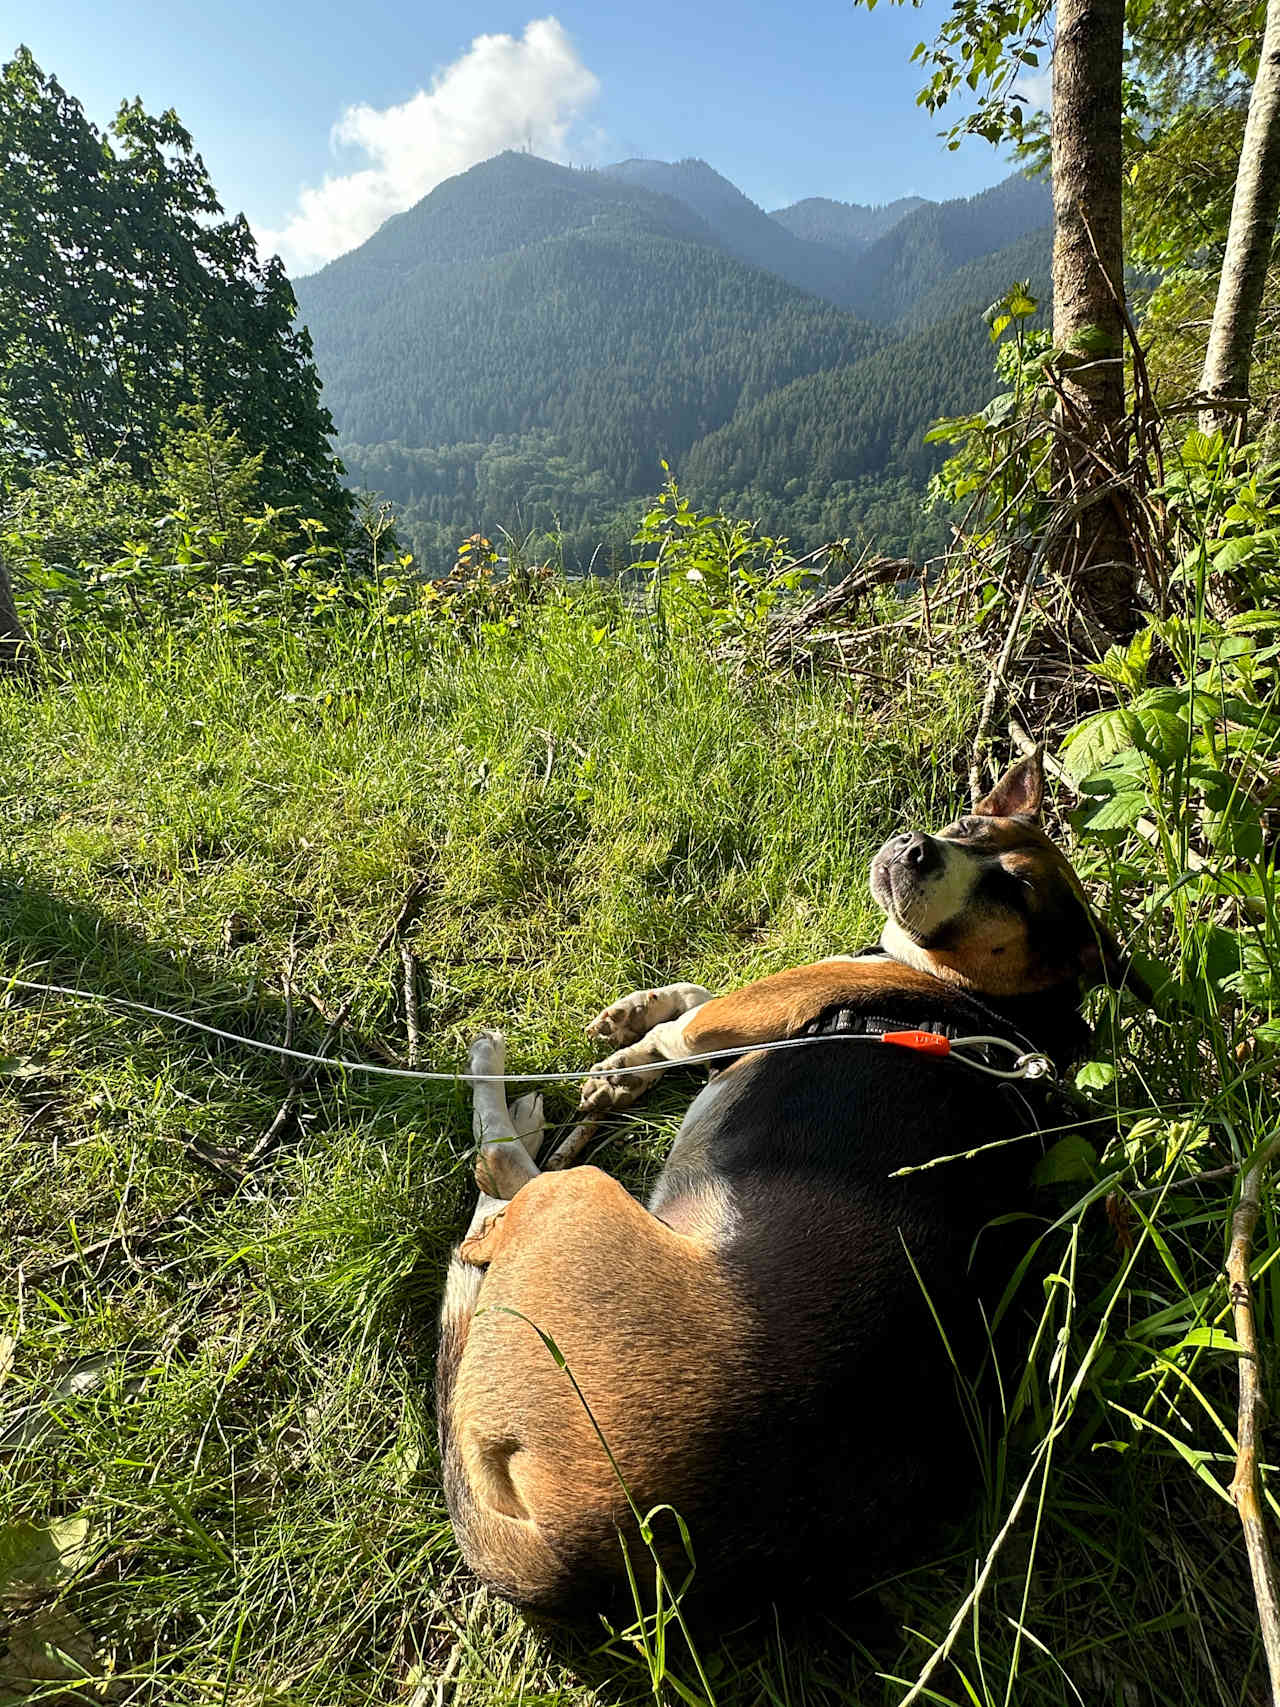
(1246, 1485)
(407, 911)
(409, 962)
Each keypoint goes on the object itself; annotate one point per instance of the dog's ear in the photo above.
(1019, 792)
(1105, 962)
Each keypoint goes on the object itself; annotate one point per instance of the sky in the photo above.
(318, 120)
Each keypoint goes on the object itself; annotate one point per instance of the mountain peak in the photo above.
(847, 226)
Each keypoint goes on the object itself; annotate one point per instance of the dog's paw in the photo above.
(628, 1019)
(600, 1094)
(487, 1055)
(606, 1090)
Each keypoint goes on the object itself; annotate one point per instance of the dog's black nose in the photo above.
(920, 853)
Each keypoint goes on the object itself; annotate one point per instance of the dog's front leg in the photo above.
(633, 1017)
(778, 1006)
(657, 1019)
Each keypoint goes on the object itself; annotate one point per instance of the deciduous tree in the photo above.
(1254, 207)
(1088, 302)
(983, 49)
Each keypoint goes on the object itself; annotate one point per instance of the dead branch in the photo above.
(408, 961)
(860, 580)
(1246, 1485)
(996, 682)
(407, 911)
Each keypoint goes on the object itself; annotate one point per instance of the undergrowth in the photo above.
(218, 1473)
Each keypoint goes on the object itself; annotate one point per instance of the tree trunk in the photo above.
(16, 657)
(1088, 299)
(1254, 207)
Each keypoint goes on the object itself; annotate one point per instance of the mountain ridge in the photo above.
(849, 226)
(741, 226)
(523, 346)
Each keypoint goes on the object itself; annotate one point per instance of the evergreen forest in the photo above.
(524, 348)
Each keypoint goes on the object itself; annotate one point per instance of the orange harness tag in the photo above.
(927, 1042)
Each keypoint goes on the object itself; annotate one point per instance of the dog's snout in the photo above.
(920, 853)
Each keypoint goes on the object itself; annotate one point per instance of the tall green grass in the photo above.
(598, 803)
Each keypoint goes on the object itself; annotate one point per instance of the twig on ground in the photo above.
(860, 580)
(1246, 1485)
(288, 1108)
(368, 1045)
(408, 961)
(571, 1147)
(291, 961)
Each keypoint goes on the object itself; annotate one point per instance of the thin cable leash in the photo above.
(1028, 1064)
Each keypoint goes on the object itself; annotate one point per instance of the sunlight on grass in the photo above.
(237, 1397)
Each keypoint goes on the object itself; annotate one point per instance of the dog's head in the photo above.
(990, 903)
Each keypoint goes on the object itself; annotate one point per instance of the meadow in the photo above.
(218, 1471)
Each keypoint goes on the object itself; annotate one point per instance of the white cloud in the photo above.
(501, 93)
(1036, 89)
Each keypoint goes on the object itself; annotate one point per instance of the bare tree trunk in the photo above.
(1088, 300)
(16, 658)
(1254, 207)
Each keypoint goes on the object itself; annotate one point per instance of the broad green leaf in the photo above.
(1091, 743)
(1120, 812)
(1209, 1339)
(1095, 1075)
(35, 1557)
(1071, 1158)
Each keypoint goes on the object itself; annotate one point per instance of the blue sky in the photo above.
(318, 120)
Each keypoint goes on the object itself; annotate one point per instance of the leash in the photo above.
(1028, 1064)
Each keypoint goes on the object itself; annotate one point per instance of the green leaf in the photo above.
(1209, 1339)
(1071, 1158)
(34, 1557)
(15, 1067)
(1091, 743)
(1235, 832)
(1120, 812)
(1095, 1075)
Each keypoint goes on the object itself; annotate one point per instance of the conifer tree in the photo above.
(124, 295)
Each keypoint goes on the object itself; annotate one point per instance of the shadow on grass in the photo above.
(47, 937)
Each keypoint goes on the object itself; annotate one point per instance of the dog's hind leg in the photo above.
(509, 1138)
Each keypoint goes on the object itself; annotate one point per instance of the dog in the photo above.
(768, 1347)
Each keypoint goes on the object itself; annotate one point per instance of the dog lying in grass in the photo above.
(770, 1345)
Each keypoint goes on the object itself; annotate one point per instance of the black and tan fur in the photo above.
(758, 1345)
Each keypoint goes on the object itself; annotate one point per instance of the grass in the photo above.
(248, 1471)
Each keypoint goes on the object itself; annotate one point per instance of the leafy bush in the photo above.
(712, 574)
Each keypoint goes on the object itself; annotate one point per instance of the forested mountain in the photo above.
(849, 440)
(603, 319)
(926, 247)
(742, 228)
(848, 226)
(523, 347)
(1028, 259)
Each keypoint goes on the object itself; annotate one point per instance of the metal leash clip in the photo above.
(1033, 1065)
